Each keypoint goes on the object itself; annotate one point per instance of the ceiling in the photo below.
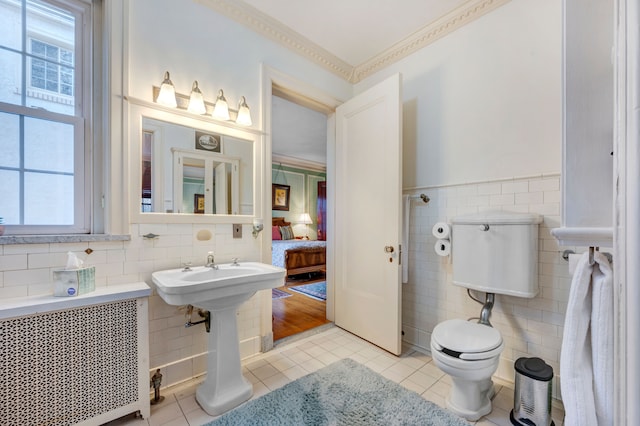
(355, 30)
(354, 38)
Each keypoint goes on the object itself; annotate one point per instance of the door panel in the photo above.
(368, 215)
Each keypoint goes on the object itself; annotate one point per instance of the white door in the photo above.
(368, 216)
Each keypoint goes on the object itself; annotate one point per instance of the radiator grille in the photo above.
(62, 368)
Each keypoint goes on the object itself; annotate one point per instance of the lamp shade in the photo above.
(196, 100)
(221, 110)
(306, 219)
(167, 95)
(244, 114)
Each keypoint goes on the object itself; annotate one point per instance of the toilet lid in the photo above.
(466, 337)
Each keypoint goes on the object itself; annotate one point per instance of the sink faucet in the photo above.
(210, 261)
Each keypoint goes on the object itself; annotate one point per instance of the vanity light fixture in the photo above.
(244, 114)
(196, 101)
(221, 110)
(167, 96)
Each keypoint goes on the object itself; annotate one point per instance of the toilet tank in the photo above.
(496, 252)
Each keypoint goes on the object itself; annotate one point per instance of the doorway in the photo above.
(299, 145)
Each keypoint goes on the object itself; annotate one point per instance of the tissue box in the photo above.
(74, 282)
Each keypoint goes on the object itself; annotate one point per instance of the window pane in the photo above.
(9, 143)
(10, 83)
(52, 53)
(38, 73)
(48, 199)
(11, 24)
(48, 145)
(9, 197)
(38, 48)
(66, 81)
(66, 57)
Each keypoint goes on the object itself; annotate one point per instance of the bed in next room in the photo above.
(297, 256)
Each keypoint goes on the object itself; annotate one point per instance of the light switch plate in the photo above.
(237, 230)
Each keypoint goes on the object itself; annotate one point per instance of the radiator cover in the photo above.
(75, 366)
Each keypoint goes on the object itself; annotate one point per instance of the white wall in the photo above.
(485, 101)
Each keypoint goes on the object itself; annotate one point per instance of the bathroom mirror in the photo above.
(190, 167)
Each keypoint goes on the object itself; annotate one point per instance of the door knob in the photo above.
(388, 249)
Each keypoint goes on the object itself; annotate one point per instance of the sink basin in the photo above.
(220, 291)
(178, 287)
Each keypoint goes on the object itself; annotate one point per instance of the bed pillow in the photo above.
(275, 233)
(286, 232)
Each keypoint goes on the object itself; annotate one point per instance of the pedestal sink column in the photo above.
(225, 387)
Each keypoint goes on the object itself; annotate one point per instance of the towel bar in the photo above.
(422, 197)
(609, 256)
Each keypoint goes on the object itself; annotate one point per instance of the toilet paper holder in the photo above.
(566, 253)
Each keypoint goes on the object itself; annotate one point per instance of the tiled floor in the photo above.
(413, 370)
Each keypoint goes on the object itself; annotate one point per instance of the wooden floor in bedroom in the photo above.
(298, 313)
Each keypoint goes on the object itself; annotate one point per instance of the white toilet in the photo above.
(494, 252)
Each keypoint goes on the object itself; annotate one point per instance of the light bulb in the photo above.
(244, 114)
(196, 101)
(221, 110)
(167, 95)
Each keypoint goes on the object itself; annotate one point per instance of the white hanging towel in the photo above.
(586, 359)
(404, 259)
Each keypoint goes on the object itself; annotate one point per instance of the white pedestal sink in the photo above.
(220, 291)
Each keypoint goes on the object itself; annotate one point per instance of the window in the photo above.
(54, 72)
(45, 116)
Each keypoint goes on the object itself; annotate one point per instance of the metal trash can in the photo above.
(532, 394)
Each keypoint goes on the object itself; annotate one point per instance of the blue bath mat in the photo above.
(316, 291)
(344, 393)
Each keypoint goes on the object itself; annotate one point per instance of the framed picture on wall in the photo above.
(280, 197)
(198, 203)
(209, 142)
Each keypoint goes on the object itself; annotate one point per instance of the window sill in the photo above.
(44, 239)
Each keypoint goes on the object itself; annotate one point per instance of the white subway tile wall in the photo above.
(26, 270)
(530, 327)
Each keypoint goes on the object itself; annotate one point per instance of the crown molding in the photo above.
(428, 34)
(286, 160)
(268, 27)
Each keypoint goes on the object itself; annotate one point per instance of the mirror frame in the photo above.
(139, 109)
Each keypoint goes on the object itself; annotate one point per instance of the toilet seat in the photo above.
(467, 340)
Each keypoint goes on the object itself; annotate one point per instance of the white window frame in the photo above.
(82, 120)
